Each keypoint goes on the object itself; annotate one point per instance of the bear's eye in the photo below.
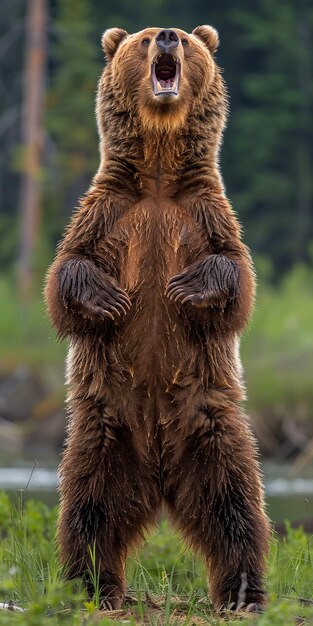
(184, 42)
(146, 41)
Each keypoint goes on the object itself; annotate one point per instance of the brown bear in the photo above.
(153, 286)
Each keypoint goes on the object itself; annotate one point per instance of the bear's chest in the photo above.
(162, 238)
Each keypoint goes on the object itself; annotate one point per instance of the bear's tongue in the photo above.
(166, 84)
(166, 76)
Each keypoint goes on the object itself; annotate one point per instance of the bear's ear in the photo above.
(111, 40)
(208, 35)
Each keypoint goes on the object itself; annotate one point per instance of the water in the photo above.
(287, 497)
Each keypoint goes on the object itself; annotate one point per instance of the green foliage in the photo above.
(71, 97)
(280, 614)
(174, 580)
(25, 333)
(277, 347)
(70, 113)
(272, 128)
(8, 238)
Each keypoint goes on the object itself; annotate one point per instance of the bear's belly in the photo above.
(162, 240)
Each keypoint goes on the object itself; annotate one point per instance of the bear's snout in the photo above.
(167, 39)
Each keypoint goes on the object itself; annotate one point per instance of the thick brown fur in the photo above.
(153, 286)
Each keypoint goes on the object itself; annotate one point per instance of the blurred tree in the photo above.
(266, 50)
(71, 118)
(271, 153)
(12, 25)
(34, 83)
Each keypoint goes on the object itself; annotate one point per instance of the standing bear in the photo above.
(152, 285)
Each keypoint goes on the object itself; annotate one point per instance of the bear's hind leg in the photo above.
(215, 497)
(108, 496)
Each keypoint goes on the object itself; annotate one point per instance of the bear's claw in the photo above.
(210, 282)
(112, 602)
(251, 607)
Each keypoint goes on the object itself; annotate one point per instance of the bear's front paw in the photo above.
(210, 282)
(110, 302)
(89, 291)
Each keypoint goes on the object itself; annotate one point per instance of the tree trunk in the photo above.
(32, 137)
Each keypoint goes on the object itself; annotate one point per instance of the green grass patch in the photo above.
(167, 583)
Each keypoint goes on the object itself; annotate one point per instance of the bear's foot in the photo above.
(251, 607)
(250, 601)
(111, 599)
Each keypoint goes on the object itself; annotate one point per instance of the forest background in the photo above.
(266, 51)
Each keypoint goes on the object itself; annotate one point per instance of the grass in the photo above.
(167, 584)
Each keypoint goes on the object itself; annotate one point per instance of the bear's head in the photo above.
(159, 75)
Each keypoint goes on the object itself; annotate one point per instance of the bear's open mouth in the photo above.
(165, 74)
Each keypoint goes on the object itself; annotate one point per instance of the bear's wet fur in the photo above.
(153, 286)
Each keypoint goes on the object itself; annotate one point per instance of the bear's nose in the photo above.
(167, 39)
